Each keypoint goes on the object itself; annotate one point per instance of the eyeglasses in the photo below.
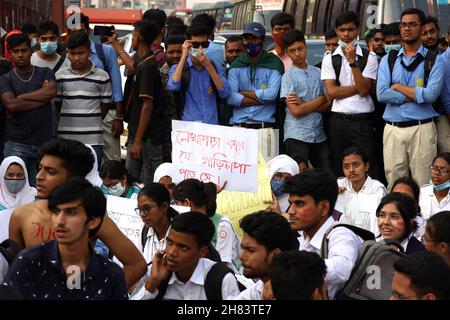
(145, 210)
(197, 44)
(405, 25)
(439, 171)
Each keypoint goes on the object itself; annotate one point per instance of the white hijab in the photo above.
(93, 176)
(164, 169)
(283, 163)
(24, 196)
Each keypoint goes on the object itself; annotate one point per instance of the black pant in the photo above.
(317, 153)
(344, 133)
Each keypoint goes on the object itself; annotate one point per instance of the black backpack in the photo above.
(337, 63)
(180, 95)
(9, 250)
(213, 282)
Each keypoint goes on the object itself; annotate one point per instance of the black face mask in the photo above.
(253, 49)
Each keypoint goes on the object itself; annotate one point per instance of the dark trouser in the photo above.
(317, 153)
(344, 133)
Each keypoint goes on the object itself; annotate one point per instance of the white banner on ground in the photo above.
(212, 153)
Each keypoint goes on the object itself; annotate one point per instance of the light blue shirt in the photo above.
(216, 53)
(200, 101)
(113, 69)
(445, 93)
(421, 108)
(266, 86)
(308, 86)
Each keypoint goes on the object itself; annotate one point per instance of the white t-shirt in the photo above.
(429, 204)
(39, 62)
(228, 244)
(355, 103)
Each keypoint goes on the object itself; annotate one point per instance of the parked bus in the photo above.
(221, 11)
(318, 16)
(260, 11)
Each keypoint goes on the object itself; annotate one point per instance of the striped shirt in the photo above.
(81, 97)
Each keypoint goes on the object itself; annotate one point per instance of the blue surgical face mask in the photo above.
(49, 48)
(390, 47)
(14, 185)
(277, 186)
(253, 49)
(441, 187)
(33, 42)
(116, 190)
(342, 44)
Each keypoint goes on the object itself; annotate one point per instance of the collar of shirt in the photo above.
(430, 192)
(92, 70)
(340, 52)
(93, 267)
(366, 188)
(198, 276)
(152, 234)
(316, 240)
(422, 50)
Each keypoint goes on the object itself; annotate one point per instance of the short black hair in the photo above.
(409, 182)
(156, 15)
(148, 30)
(356, 151)
(197, 30)
(206, 20)
(443, 41)
(174, 39)
(269, 229)
(76, 158)
(197, 224)
(176, 29)
(433, 20)
(233, 39)
(347, 17)
(28, 28)
(295, 275)
(443, 155)
(200, 193)
(428, 273)
(115, 169)
(371, 34)
(416, 11)
(439, 225)
(407, 208)
(93, 200)
(159, 194)
(317, 183)
(174, 20)
(392, 29)
(78, 39)
(281, 19)
(47, 26)
(16, 40)
(330, 34)
(292, 37)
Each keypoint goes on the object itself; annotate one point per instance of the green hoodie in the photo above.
(265, 60)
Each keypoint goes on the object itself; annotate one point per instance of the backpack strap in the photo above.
(59, 64)
(362, 61)
(101, 54)
(180, 95)
(363, 233)
(430, 59)
(392, 58)
(9, 249)
(216, 93)
(337, 63)
(144, 234)
(214, 279)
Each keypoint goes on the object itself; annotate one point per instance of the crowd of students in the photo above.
(368, 121)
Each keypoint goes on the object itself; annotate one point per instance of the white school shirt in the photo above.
(355, 103)
(429, 204)
(228, 244)
(194, 288)
(359, 208)
(343, 251)
(254, 292)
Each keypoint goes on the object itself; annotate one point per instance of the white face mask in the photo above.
(342, 44)
(116, 190)
(196, 51)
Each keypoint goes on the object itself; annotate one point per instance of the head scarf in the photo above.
(93, 176)
(163, 170)
(24, 196)
(282, 163)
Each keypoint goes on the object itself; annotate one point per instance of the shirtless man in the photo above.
(30, 224)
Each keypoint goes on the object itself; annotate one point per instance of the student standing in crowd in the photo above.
(26, 93)
(281, 24)
(305, 98)
(392, 38)
(215, 51)
(67, 268)
(350, 87)
(61, 159)
(234, 48)
(410, 133)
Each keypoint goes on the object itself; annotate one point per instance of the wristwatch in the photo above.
(353, 65)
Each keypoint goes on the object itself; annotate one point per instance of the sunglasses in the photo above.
(196, 44)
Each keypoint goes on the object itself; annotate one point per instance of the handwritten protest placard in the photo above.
(216, 154)
(237, 205)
